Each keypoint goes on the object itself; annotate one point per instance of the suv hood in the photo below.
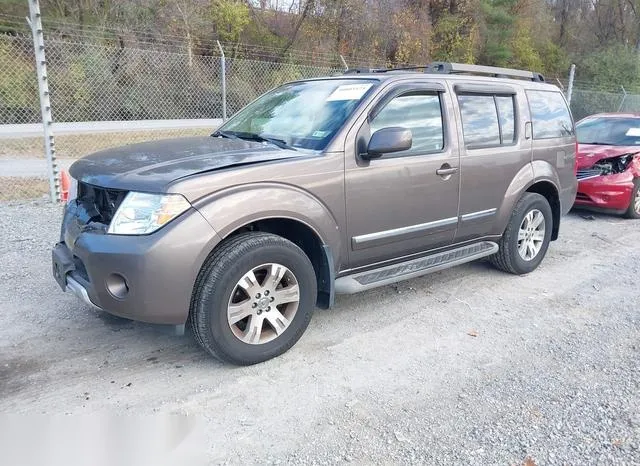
(589, 154)
(151, 166)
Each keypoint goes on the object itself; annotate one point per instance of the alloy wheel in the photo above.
(263, 303)
(531, 235)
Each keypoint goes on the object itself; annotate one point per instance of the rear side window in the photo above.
(549, 115)
(487, 120)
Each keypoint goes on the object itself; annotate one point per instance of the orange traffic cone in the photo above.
(65, 183)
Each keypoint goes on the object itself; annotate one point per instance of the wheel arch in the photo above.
(550, 192)
(288, 211)
(532, 178)
(307, 239)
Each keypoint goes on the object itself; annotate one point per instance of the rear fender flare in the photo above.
(530, 174)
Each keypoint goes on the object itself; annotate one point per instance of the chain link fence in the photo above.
(587, 101)
(106, 93)
(19, 105)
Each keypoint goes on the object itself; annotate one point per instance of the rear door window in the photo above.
(487, 120)
(550, 115)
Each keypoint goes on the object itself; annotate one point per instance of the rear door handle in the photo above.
(446, 170)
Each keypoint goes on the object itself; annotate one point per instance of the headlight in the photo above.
(142, 213)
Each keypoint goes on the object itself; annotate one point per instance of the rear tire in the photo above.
(253, 299)
(526, 239)
(634, 206)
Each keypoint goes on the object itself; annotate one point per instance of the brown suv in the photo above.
(323, 186)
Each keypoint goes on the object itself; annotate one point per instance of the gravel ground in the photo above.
(467, 366)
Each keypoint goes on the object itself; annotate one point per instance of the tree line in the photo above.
(601, 36)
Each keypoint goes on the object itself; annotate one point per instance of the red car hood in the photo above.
(588, 154)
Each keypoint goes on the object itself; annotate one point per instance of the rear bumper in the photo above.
(146, 278)
(612, 192)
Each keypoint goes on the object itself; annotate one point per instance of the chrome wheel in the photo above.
(636, 202)
(263, 303)
(531, 235)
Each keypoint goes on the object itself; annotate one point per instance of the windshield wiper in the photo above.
(259, 138)
(253, 137)
(225, 134)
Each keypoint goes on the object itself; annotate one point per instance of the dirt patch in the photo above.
(15, 374)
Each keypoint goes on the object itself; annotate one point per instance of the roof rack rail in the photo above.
(382, 70)
(363, 70)
(454, 68)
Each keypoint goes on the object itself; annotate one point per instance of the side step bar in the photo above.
(413, 268)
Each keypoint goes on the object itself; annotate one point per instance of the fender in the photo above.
(530, 174)
(544, 171)
(232, 208)
(521, 181)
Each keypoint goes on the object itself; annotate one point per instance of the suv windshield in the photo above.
(299, 115)
(609, 131)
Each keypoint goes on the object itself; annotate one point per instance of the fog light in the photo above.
(117, 286)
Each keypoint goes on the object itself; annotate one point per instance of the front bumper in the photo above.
(611, 192)
(155, 272)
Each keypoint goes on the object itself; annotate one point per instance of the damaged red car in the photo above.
(608, 163)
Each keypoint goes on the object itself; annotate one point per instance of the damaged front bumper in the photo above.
(63, 265)
(148, 278)
(609, 192)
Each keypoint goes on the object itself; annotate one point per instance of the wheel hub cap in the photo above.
(531, 235)
(263, 303)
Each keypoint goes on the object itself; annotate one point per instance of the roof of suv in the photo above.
(405, 75)
(453, 71)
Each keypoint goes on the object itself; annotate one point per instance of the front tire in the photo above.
(634, 206)
(253, 298)
(526, 239)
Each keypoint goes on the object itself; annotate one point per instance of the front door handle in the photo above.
(446, 170)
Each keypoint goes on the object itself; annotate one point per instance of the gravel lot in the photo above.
(467, 366)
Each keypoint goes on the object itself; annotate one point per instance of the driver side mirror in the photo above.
(388, 140)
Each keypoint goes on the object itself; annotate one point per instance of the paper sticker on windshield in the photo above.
(349, 92)
(633, 132)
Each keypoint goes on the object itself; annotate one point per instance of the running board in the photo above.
(413, 268)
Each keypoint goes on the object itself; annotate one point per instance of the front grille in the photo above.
(587, 173)
(100, 204)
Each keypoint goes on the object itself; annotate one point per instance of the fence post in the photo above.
(35, 22)
(572, 74)
(624, 97)
(344, 63)
(223, 74)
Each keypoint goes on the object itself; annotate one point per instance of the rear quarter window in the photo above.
(550, 115)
